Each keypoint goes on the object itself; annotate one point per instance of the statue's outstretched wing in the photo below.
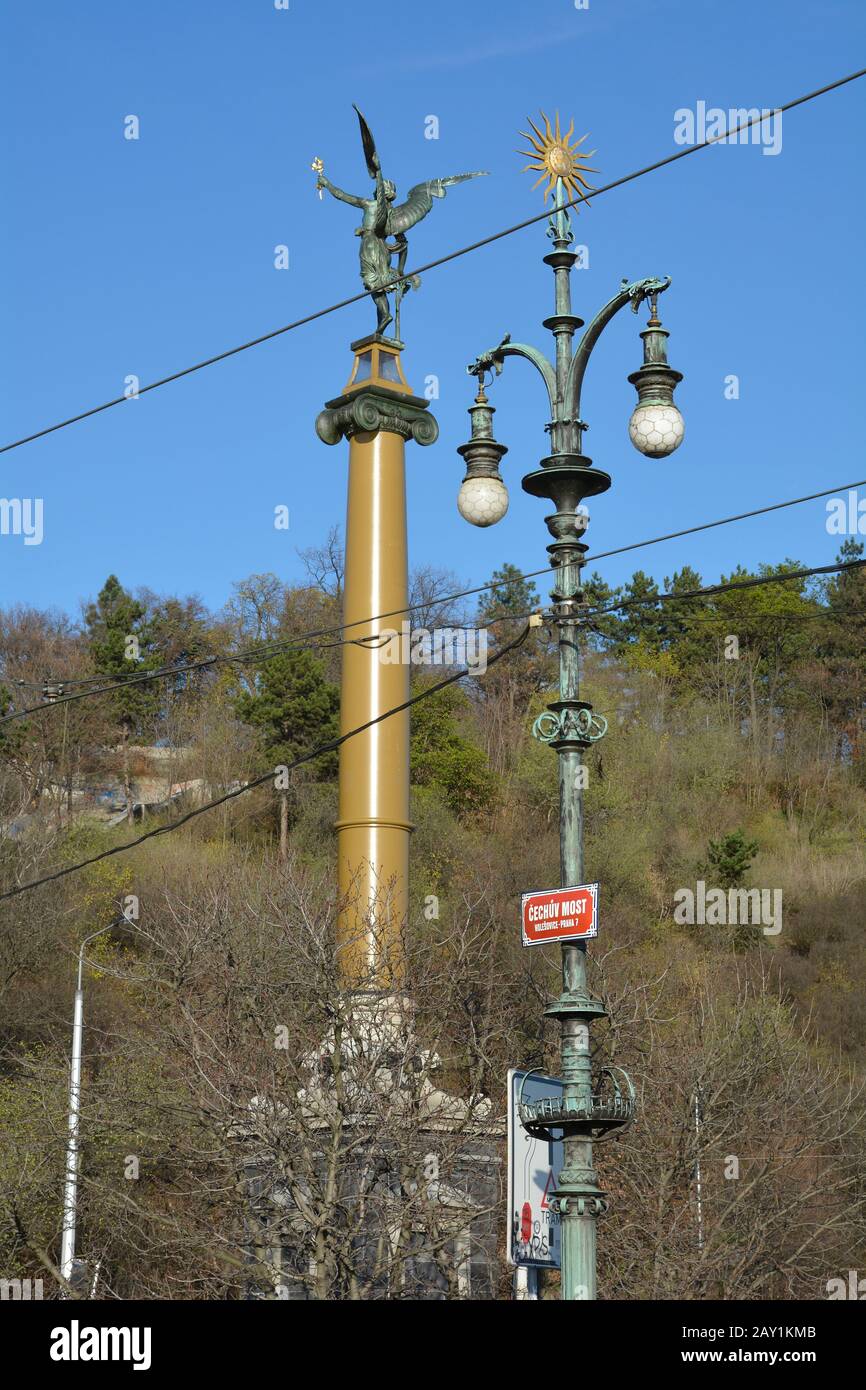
(420, 200)
(370, 154)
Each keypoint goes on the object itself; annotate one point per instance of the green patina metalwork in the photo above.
(569, 723)
(587, 1110)
(376, 408)
(382, 219)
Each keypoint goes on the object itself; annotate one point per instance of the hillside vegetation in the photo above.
(738, 764)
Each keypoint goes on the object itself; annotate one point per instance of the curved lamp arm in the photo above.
(492, 361)
(633, 294)
(120, 919)
(84, 943)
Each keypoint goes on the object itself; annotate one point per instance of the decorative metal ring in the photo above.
(546, 726)
(582, 724)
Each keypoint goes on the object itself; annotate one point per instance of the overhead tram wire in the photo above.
(583, 614)
(440, 260)
(262, 653)
(307, 757)
(333, 744)
(725, 521)
(708, 590)
(304, 641)
(292, 645)
(545, 613)
(753, 620)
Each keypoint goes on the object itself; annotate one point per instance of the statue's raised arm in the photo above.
(340, 193)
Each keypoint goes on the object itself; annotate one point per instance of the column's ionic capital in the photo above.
(374, 408)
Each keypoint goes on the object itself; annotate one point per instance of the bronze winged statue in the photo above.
(382, 220)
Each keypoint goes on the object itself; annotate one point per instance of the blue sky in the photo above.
(139, 257)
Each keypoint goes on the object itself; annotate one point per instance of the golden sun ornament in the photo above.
(557, 158)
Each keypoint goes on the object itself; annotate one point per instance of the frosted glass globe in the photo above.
(483, 501)
(656, 430)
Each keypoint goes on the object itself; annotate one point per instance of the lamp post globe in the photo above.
(656, 427)
(483, 496)
(656, 430)
(482, 501)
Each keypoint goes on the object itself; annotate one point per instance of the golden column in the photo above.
(377, 413)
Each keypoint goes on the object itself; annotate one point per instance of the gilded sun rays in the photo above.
(557, 157)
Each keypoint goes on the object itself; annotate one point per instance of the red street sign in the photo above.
(560, 914)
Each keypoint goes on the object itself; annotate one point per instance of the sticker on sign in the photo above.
(560, 914)
(533, 1168)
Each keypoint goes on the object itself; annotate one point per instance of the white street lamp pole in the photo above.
(70, 1194)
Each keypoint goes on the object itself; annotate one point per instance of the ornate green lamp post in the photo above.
(590, 1108)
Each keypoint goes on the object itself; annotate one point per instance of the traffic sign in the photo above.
(560, 914)
(533, 1170)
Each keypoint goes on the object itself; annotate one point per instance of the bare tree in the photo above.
(327, 1143)
(254, 609)
(428, 586)
(733, 1093)
(325, 564)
